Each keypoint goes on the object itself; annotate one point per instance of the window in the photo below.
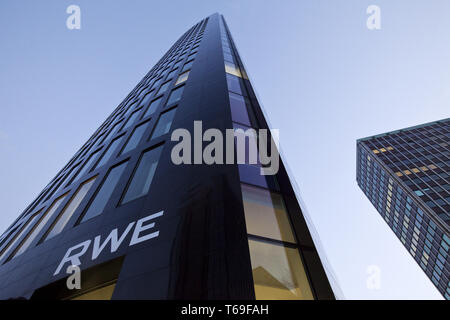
(188, 65)
(278, 272)
(175, 95)
(164, 87)
(143, 175)
(231, 68)
(234, 84)
(172, 73)
(146, 98)
(19, 235)
(109, 152)
(176, 65)
(152, 107)
(182, 78)
(67, 178)
(246, 144)
(113, 131)
(251, 174)
(265, 214)
(130, 108)
(239, 111)
(39, 225)
(131, 120)
(135, 138)
(88, 164)
(70, 208)
(100, 200)
(141, 92)
(156, 83)
(228, 57)
(164, 123)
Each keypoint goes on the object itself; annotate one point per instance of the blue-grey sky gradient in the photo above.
(324, 79)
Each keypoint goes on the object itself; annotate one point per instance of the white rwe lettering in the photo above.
(115, 243)
(74, 259)
(139, 228)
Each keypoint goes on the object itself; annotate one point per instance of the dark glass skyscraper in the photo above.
(140, 226)
(406, 176)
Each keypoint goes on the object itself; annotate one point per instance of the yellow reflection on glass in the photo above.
(182, 78)
(231, 68)
(103, 293)
(278, 272)
(265, 214)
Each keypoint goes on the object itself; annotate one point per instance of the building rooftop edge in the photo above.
(403, 129)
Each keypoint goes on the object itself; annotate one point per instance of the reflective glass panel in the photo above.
(278, 272)
(70, 208)
(103, 195)
(265, 214)
(143, 175)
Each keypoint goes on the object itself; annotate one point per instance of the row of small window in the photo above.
(176, 55)
(416, 170)
(399, 204)
(78, 171)
(416, 231)
(83, 151)
(138, 186)
(182, 44)
(145, 94)
(140, 94)
(429, 184)
(173, 64)
(393, 162)
(175, 97)
(406, 160)
(414, 148)
(430, 255)
(423, 246)
(418, 181)
(122, 125)
(424, 134)
(417, 141)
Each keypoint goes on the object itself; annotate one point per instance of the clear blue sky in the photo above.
(323, 77)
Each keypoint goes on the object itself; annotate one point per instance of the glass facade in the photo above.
(70, 208)
(164, 123)
(143, 176)
(103, 195)
(405, 174)
(39, 226)
(277, 268)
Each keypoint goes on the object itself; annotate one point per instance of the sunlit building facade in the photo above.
(140, 226)
(406, 176)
